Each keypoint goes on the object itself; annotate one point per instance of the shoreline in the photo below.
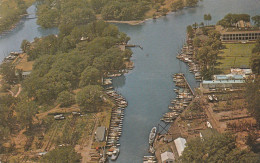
(130, 22)
(138, 22)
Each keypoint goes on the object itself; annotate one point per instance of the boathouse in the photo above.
(167, 157)
(180, 145)
(100, 134)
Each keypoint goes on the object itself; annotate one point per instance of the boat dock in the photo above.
(184, 97)
(186, 55)
(187, 83)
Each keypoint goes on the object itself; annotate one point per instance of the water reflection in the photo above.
(119, 82)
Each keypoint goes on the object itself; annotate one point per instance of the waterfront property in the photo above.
(235, 79)
(241, 32)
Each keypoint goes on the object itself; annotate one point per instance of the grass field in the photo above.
(235, 55)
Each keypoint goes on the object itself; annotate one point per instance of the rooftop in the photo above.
(223, 82)
(167, 156)
(100, 133)
(223, 30)
(180, 145)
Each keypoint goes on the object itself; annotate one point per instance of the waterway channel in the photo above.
(148, 88)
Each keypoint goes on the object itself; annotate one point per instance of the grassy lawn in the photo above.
(235, 55)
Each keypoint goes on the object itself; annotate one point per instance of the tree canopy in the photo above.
(89, 98)
(62, 155)
(217, 148)
(230, 19)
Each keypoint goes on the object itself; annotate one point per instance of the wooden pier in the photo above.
(188, 85)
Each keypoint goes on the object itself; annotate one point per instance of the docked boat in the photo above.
(210, 98)
(115, 154)
(152, 135)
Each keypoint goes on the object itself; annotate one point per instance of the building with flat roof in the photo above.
(167, 157)
(241, 32)
(100, 134)
(180, 144)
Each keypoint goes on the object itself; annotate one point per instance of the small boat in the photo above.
(152, 135)
(215, 97)
(210, 98)
(151, 150)
(115, 154)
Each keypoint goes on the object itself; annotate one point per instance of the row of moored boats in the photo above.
(183, 98)
(116, 124)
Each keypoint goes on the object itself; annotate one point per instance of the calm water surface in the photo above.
(149, 87)
(27, 29)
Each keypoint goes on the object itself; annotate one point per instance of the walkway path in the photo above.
(85, 152)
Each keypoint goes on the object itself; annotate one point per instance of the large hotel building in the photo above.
(241, 32)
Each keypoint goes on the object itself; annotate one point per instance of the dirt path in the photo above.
(85, 151)
(19, 90)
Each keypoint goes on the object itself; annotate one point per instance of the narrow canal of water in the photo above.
(149, 87)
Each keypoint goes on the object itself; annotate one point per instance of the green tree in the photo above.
(217, 148)
(191, 3)
(62, 155)
(157, 7)
(7, 70)
(89, 98)
(190, 31)
(177, 5)
(26, 110)
(256, 20)
(253, 98)
(25, 45)
(90, 76)
(65, 99)
(255, 63)
(196, 42)
(165, 11)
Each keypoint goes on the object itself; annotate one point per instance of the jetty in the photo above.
(124, 46)
(187, 83)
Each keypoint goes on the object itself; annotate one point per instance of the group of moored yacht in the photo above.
(184, 97)
(116, 124)
(186, 56)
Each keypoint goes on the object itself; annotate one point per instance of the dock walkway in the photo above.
(188, 85)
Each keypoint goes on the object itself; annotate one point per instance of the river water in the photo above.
(148, 88)
(27, 29)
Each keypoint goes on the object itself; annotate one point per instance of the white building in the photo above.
(167, 157)
(180, 145)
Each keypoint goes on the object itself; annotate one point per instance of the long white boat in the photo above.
(152, 135)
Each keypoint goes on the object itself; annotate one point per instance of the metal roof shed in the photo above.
(167, 157)
(180, 145)
(100, 133)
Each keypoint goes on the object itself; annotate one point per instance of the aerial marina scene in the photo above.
(152, 81)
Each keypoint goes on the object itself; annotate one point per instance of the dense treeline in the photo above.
(67, 63)
(217, 148)
(10, 13)
(206, 51)
(68, 69)
(230, 19)
(52, 13)
(255, 58)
